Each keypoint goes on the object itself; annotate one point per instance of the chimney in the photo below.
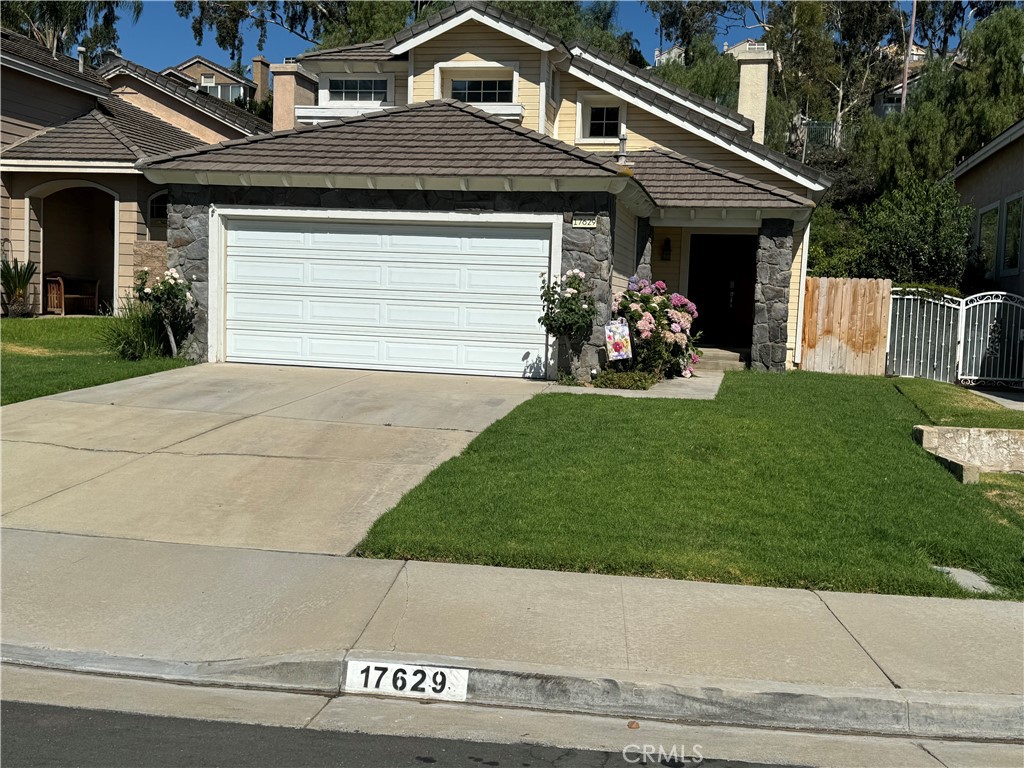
(293, 87)
(754, 60)
(261, 76)
(81, 58)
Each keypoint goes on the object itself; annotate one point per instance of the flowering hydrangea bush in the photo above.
(174, 307)
(569, 308)
(660, 324)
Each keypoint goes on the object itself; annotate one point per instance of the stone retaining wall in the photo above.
(590, 250)
(975, 450)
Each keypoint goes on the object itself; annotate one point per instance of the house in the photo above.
(992, 182)
(416, 189)
(664, 56)
(222, 82)
(73, 201)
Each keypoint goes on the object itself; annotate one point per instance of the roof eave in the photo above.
(52, 75)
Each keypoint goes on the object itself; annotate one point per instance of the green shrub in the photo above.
(625, 380)
(931, 289)
(136, 333)
(16, 281)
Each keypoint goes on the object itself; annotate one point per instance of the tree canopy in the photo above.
(60, 26)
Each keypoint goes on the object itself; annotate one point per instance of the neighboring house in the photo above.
(221, 82)
(416, 189)
(675, 53)
(992, 182)
(73, 200)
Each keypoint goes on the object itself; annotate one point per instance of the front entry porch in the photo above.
(744, 284)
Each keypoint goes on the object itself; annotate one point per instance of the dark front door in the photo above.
(722, 273)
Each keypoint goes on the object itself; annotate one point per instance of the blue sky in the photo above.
(162, 38)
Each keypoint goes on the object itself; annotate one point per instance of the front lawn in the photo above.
(950, 406)
(43, 356)
(796, 480)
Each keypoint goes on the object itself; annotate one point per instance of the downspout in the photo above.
(798, 345)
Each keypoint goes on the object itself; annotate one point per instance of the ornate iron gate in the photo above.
(991, 340)
(977, 340)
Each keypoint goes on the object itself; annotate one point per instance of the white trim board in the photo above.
(43, 166)
(472, 15)
(697, 130)
(217, 266)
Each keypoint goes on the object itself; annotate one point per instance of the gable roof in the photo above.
(25, 54)
(1012, 134)
(375, 50)
(115, 131)
(212, 65)
(434, 138)
(227, 113)
(674, 180)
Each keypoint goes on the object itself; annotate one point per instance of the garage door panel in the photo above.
(387, 296)
(263, 271)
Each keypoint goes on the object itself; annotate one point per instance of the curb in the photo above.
(724, 701)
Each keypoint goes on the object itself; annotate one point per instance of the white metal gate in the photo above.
(991, 349)
(978, 340)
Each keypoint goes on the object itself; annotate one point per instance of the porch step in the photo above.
(717, 359)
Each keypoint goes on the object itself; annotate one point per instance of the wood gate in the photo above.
(845, 325)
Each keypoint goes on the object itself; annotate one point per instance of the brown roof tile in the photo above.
(377, 50)
(434, 138)
(115, 131)
(19, 46)
(674, 180)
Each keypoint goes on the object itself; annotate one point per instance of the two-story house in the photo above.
(416, 191)
(73, 200)
(225, 84)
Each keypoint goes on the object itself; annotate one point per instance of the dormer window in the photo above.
(483, 91)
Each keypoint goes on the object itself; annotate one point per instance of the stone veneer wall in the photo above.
(188, 244)
(771, 295)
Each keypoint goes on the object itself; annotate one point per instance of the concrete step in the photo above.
(720, 365)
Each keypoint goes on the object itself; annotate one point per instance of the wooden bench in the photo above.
(80, 294)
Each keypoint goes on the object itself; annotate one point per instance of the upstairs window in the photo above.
(603, 123)
(1013, 237)
(482, 91)
(358, 90)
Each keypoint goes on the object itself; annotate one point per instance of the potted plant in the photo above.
(16, 282)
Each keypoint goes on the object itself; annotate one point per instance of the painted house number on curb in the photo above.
(411, 680)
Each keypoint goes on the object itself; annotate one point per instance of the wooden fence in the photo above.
(845, 325)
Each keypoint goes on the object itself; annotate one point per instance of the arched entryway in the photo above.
(78, 224)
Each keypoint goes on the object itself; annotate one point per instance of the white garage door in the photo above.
(413, 297)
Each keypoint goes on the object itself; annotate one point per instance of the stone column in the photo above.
(591, 251)
(188, 251)
(771, 295)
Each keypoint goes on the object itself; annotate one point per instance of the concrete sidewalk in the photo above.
(671, 650)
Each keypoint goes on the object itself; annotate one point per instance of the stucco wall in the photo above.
(172, 110)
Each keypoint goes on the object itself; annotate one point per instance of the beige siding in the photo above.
(173, 110)
(198, 69)
(794, 298)
(398, 69)
(29, 103)
(645, 130)
(472, 42)
(624, 257)
(674, 271)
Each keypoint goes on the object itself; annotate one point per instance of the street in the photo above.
(43, 735)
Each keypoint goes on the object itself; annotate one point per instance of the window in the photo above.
(207, 81)
(1012, 235)
(988, 238)
(482, 91)
(603, 123)
(370, 90)
(158, 216)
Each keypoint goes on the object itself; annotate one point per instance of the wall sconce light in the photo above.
(666, 249)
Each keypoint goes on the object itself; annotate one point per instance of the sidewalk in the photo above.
(554, 641)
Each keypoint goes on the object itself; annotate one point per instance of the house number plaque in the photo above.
(584, 221)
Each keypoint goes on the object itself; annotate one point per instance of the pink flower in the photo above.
(668, 336)
(677, 300)
(617, 346)
(676, 328)
(645, 334)
(660, 285)
(634, 307)
(646, 290)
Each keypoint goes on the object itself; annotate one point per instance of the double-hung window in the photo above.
(602, 123)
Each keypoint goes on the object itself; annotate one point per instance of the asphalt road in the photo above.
(41, 735)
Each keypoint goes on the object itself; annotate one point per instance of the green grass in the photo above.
(796, 480)
(43, 356)
(951, 406)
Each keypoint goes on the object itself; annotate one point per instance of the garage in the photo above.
(386, 295)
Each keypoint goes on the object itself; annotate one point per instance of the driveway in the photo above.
(264, 457)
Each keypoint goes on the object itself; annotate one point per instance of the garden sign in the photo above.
(616, 336)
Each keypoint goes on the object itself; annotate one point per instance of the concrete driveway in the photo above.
(264, 457)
